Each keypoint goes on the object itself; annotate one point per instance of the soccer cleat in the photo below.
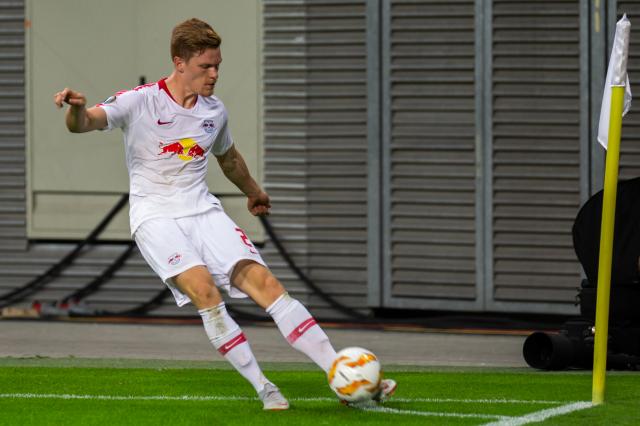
(387, 389)
(272, 398)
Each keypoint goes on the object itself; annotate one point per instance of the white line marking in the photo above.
(482, 401)
(433, 413)
(241, 398)
(125, 397)
(246, 398)
(541, 415)
(502, 420)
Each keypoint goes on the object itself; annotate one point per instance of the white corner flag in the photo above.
(616, 76)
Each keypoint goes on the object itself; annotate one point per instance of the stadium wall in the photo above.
(456, 191)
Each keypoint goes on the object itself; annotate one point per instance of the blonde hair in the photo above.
(192, 37)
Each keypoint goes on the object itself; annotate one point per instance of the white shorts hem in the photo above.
(232, 265)
(165, 279)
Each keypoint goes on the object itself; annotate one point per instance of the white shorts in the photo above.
(212, 239)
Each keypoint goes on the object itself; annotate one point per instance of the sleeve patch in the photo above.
(109, 100)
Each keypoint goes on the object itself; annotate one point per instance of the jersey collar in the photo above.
(162, 84)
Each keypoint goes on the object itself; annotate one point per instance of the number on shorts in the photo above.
(246, 241)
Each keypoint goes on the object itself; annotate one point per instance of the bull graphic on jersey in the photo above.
(185, 149)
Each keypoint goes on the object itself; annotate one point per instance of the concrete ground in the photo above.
(189, 343)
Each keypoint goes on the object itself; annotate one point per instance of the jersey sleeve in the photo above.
(122, 109)
(223, 140)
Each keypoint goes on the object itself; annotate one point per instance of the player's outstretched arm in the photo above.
(235, 169)
(79, 119)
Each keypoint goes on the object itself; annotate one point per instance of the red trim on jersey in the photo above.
(162, 84)
(232, 344)
(120, 92)
(301, 329)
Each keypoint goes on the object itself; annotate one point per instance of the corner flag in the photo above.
(615, 103)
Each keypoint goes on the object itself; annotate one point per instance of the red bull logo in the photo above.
(185, 149)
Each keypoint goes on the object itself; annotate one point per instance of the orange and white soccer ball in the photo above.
(355, 375)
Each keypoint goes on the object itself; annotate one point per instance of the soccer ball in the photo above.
(355, 375)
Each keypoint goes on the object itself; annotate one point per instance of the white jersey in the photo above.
(166, 150)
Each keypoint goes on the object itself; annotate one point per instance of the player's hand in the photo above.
(259, 204)
(70, 97)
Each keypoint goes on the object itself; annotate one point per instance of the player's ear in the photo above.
(179, 63)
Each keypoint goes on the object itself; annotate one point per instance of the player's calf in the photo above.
(301, 330)
(227, 337)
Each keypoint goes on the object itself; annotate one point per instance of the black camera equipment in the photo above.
(572, 346)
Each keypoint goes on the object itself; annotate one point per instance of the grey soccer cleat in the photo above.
(387, 389)
(272, 398)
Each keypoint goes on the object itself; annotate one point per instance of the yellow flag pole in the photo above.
(606, 244)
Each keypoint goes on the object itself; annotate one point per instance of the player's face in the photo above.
(201, 71)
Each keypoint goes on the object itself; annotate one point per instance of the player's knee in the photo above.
(205, 295)
(272, 286)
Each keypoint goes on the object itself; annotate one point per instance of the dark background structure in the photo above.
(420, 155)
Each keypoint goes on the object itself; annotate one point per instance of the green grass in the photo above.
(297, 381)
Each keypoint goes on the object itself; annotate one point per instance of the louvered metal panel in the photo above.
(135, 282)
(12, 127)
(431, 216)
(630, 144)
(536, 153)
(285, 111)
(315, 145)
(337, 149)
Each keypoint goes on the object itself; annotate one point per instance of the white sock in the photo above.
(301, 330)
(227, 337)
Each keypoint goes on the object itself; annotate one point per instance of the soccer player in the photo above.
(180, 228)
